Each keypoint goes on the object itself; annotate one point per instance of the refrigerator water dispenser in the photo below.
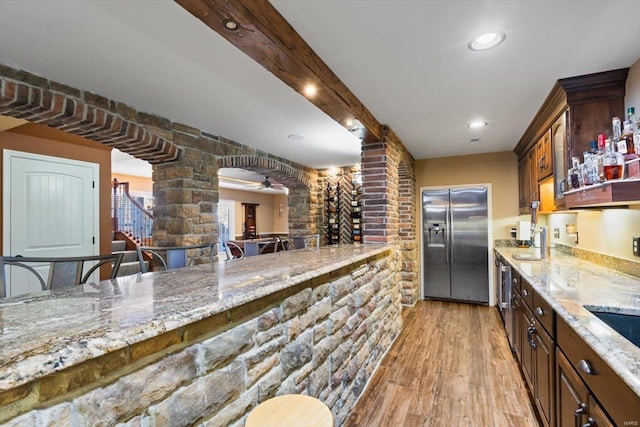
(436, 234)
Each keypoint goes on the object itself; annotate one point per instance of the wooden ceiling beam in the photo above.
(267, 37)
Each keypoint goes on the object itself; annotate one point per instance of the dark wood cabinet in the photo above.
(537, 349)
(527, 181)
(524, 189)
(576, 110)
(559, 138)
(543, 392)
(576, 404)
(608, 389)
(562, 372)
(571, 393)
(544, 156)
(527, 361)
(250, 230)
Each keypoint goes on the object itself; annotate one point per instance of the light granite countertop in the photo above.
(45, 332)
(569, 284)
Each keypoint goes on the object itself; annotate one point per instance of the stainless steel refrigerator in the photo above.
(455, 244)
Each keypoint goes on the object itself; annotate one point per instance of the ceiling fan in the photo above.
(268, 184)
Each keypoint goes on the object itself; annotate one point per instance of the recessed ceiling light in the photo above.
(295, 137)
(477, 124)
(487, 41)
(231, 25)
(310, 90)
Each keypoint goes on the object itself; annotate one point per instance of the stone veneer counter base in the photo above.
(201, 345)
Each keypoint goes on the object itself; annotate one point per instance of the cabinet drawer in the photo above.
(544, 314)
(619, 401)
(526, 290)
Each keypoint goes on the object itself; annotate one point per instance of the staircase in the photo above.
(130, 264)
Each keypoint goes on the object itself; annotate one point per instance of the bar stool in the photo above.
(290, 410)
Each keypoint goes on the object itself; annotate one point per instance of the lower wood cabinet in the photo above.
(576, 405)
(569, 383)
(543, 393)
(526, 361)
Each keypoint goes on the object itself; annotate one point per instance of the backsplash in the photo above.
(619, 264)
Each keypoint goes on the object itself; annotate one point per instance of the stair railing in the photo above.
(130, 216)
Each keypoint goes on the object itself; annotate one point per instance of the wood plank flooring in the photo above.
(450, 366)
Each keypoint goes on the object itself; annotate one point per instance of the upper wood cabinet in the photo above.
(560, 147)
(527, 181)
(576, 110)
(544, 156)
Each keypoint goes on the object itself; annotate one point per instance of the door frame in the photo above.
(7, 155)
(491, 281)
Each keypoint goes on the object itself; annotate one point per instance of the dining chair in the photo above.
(303, 242)
(269, 247)
(233, 251)
(201, 252)
(63, 271)
(284, 244)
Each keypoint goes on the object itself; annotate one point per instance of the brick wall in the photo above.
(324, 338)
(388, 205)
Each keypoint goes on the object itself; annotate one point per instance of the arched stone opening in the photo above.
(305, 206)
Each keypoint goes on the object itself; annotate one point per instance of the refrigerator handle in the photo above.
(449, 219)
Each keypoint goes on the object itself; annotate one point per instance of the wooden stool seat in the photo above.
(290, 410)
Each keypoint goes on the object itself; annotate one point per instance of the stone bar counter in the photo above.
(200, 345)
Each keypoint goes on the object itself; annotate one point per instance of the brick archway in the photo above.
(38, 100)
(305, 205)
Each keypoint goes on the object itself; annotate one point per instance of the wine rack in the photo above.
(332, 209)
(356, 212)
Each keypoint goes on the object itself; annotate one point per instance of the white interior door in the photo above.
(50, 209)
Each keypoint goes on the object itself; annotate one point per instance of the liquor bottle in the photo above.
(600, 156)
(616, 126)
(613, 163)
(625, 145)
(635, 124)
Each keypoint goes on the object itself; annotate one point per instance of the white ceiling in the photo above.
(407, 61)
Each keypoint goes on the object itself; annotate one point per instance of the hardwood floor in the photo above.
(450, 366)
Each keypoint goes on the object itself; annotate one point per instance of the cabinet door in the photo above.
(524, 186)
(544, 356)
(517, 324)
(597, 417)
(533, 176)
(559, 138)
(544, 156)
(526, 362)
(571, 393)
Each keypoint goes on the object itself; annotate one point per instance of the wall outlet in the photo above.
(556, 233)
(636, 246)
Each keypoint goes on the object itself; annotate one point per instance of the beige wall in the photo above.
(136, 183)
(269, 218)
(498, 169)
(632, 88)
